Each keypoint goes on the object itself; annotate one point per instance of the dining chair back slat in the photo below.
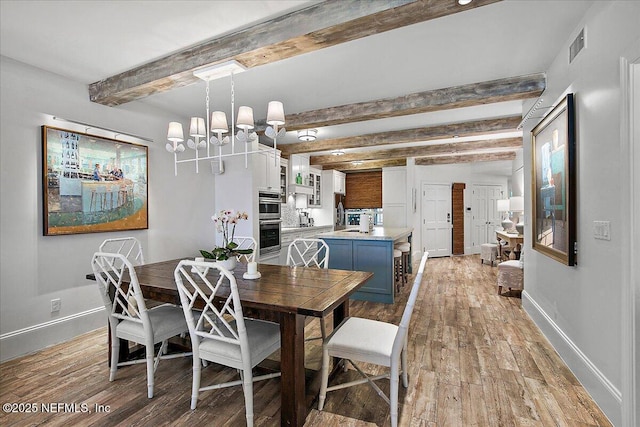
(130, 247)
(246, 243)
(308, 253)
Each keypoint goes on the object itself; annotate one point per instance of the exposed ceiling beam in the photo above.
(478, 127)
(465, 158)
(366, 165)
(316, 27)
(428, 150)
(507, 89)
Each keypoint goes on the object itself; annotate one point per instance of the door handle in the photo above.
(448, 217)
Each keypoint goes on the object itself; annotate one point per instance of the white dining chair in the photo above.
(310, 253)
(130, 247)
(221, 334)
(372, 341)
(134, 322)
(246, 243)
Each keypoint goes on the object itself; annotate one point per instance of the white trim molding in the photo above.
(629, 157)
(602, 390)
(33, 338)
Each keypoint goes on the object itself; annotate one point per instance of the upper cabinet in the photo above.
(299, 169)
(266, 166)
(394, 184)
(394, 196)
(339, 182)
(284, 179)
(334, 181)
(364, 190)
(315, 199)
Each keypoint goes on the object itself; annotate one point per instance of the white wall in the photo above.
(447, 174)
(34, 268)
(578, 308)
(517, 177)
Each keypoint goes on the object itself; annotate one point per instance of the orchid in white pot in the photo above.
(226, 221)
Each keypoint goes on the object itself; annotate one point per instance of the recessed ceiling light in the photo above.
(356, 162)
(337, 152)
(463, 2)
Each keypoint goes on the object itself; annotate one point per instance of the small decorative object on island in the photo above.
(227, 253)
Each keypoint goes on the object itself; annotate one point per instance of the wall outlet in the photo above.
(55, 305)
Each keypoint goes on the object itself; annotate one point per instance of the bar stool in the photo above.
(488, 252)
(405, 248)
(397, 269)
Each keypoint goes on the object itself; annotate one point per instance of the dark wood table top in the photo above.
(301, 290)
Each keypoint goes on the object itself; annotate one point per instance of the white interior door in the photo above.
(480, 218)
(494, 193)
(436, 219)
(485, 214)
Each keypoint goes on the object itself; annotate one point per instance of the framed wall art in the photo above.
(554, 183)
(92, 184)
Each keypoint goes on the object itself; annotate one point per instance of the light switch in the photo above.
(602, 230)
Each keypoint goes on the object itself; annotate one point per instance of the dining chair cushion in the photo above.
(403, 247)
(167, 320)
(365, 340)
(263, 337)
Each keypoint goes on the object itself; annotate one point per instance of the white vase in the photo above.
(229, 264)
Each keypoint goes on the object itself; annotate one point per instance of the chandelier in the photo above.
(211, 129)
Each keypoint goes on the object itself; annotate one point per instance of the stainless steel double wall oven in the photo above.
(269, 211)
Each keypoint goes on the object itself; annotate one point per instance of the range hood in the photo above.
(300, 189)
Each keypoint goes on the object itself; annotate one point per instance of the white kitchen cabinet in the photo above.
(315, 180)
(335, 180)
(299, 165)
(340, 182)
(394, 186)
(284, 179)
(394, 197)
(266, 166)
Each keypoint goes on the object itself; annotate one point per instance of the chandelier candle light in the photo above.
(217, 124)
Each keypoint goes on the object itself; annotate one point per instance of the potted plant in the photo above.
(227, 253)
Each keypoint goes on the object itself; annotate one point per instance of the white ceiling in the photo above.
(90, 40)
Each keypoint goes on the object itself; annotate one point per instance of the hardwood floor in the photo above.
(475, 359)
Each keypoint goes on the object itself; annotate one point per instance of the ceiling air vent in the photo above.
(576, 46)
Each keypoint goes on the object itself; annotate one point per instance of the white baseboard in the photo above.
(27, 340)
(603, 392)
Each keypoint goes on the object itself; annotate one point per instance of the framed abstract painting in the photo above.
(92, 184)
(554, 183)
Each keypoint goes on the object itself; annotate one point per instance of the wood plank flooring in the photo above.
(475, 359)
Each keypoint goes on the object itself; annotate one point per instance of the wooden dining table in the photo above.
(283, 294)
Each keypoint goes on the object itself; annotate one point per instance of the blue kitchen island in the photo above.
(351, 250)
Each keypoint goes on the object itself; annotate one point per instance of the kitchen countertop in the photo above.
(315, 227)
(378, 233)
